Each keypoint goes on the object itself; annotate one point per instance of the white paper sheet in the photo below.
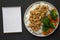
(11, 19)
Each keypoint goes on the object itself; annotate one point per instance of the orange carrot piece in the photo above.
(51, 20)
(50, 30)
(45, 33)
(56, 20)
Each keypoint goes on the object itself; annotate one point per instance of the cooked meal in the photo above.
(41, 19)
(38, 16)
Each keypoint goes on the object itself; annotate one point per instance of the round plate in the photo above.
(26, 18)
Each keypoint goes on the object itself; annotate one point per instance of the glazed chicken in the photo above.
(36, 15)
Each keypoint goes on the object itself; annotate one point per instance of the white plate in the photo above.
(27, 14)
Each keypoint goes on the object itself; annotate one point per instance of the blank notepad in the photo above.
(11, 19)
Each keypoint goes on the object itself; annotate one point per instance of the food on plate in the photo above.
(36, 15)
(46, 21)
(50, 21)
(41, 19)
(54, 14)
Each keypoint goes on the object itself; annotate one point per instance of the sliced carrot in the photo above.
(45, 33)
(56, 20)
(50, 30)
(51, 20)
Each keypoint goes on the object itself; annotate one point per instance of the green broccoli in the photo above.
(53, 14)
(51, 25)
(46, 21)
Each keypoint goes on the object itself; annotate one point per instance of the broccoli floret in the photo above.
(46, 21)
(51, 25)
(53, 14)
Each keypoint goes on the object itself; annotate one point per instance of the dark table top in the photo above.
(25, 35)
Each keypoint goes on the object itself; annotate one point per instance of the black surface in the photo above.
(25, 35)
